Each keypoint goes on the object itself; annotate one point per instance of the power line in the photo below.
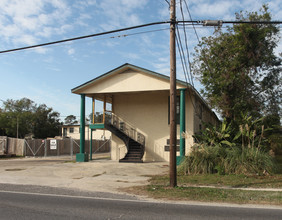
(193, 22)
(86, 36)
(180, 51)
(186, 45)
(195, 31)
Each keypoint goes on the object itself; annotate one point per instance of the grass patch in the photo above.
(233, 181)
(70, 161)
(215, 195)
(189, 189)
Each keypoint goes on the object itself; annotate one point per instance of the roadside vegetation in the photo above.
(22, 117)
(221, 150)
(241, 75)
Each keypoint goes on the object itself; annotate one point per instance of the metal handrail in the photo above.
(125, 127)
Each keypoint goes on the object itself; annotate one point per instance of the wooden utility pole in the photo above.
(172, 147)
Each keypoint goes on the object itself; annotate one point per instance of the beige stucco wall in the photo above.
(148, 112)
(96, 135)
(127, 81)
(202, 115)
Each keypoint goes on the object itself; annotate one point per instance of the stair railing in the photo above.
(125, 127)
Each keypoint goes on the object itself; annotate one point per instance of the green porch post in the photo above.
(90, 144)
(82, 156)
(182, 126)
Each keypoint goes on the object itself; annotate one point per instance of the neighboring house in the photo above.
(73, 131)
(136, 111)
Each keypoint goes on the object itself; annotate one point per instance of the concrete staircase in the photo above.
(135, 149)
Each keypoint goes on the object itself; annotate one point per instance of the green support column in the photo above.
(91, 144)
(93, 110)
(182, 126)
(82, 156)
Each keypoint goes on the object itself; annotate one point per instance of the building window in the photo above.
(177, 110)
(71, 130)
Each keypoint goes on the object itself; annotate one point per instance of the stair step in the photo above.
(130, 161)
(132, 156)
(135, 149)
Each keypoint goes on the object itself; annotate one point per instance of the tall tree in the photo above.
(46, 122)
(239, 69)
(70, 120)
(21, 117)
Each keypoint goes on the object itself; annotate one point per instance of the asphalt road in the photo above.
(30, 205)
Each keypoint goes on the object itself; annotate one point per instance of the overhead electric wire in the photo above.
(142, 32)
(205, 58)
(186, 45)
(130, 28)
(182, 54)
(86, 36)
(188, 57)
(201, 22)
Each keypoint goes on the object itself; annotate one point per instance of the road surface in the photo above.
(34, 205)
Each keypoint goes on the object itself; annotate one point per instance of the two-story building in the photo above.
(136, 112)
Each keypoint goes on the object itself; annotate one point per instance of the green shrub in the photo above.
(209, 160)
(220, 151)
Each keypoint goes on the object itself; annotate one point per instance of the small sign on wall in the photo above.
(53, 144)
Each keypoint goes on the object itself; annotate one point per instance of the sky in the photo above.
(46, 75)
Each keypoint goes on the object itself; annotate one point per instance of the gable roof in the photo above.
(124, 68)
(84, 88)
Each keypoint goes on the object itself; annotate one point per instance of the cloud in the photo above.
(25, 21)
(71, 51)
(216, 9)
(41, 50)
(130, 56)
(121, 13)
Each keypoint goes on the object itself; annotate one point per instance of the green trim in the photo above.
(97, 126)
(91, 144)
(82, 157)
(182, 122)
(82, 124)
(179, 160)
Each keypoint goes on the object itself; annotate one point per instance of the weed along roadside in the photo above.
(228, 188)
(238, 189)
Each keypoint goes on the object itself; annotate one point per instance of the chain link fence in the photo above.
(49, 147)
